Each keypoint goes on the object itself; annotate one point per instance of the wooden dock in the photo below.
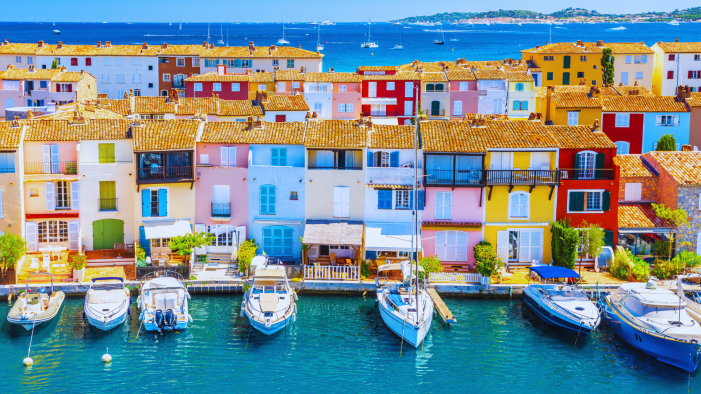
(441, 307)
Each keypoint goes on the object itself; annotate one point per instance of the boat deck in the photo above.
(441, 307)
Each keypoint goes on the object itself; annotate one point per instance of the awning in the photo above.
(389, 237)
(396, 267)
(333, 232)
(552, 272)
(379, 101)
(166, 229)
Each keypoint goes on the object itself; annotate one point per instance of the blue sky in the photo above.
(301, 11)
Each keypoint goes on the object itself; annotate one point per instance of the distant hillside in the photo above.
(456, 16)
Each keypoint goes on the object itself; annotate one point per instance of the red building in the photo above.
(227, 86)
(175, 63)
(625, 129)
(388, 93)
(589, 175)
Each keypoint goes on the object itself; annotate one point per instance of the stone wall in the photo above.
(689, 201)
(648, 192)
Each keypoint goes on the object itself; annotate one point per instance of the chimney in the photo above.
(299, 46)
(676, 39)
(265, 96)
(251, 46)
(59, 45)
(620, 84)
(537, 46)
(211, 45)
(258, 124)
(30, 115)
(594, 92)
(579, 43)
(683, 93)
(368, 124)
(273, 48)
(595, 127)
(686, 148)
(40, 44)
(249, 123)
(332, 70)
(221, 69)
(582, 82)
(204, 44)
(314, 116)
(30, 68)
(63, 68)
(6, 42)
(90, 106)
(599, 43)
(144, 46)
(99, 44)
(108, 44)
(174, 96)
(15, 123)
(165, 45)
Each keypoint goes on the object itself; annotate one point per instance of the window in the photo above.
(565, 78)
(106, 78)
(74, 61)
(43, 84)
(33, 192)
(341, 108)
(137, 78)
(381, 159)
(667, 120)
(580, 74)
(278, 241)
(623, 148)
(294, 196)
(7, 164)
(18, 59)
(120, 94)
(88, 61)
(198, 87)
(136, 61)
(384, 199)
(235, 87)
(372, 89)
(408, 108)
(572, 118)
(106, 152)
(349, 107)
(216, 87)
(550, 76)
(670, 74)
(166, 77)
(594, 201)
(519, 87)
(444, 202)
(276, 62)
(267, 200)
(586, 161)
(628, 59)
(548, 58)
(120, 78)
(228, 156)
(390, 85)
(278, 157)
(342, 89)
(622, 120)
(463, 86)
(295, 85)
(457, 108)
(566, 61)
(583, 58)
(401, 199)
(671, 57)
(638, 75)
(63, 195)
(451, 245)
(317, 108)
(694, 74)
(262, 87)
(591, 200)
(408, 89)
(118, 61)
(341, 201)
(493, 84)
(311, 88)
(624, 78)
(524, 105)
(195, 62)
(697, 57)
(633, 191)
(137, 92)
(290, 63)
(204, 159)
(53, 231)
(519, 205)
(160, 243)
(322, 88)
(593, 81)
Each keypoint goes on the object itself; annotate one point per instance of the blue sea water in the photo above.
(338, 345)
(342, 41)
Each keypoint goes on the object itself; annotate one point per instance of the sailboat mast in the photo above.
(414, 208)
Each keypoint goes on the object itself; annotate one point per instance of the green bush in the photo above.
(246, 253)
(665, 270)
(565, 240)
(641, 269)
(622, 269)
(431, 264)
(78, 261)
(364, 268)
(661, 248)
(487, 263)
(140, 254)
(687, 259)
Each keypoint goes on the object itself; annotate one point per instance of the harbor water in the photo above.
(339, 344)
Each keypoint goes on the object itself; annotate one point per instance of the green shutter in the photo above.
(606, 201)
(108, 196)
(565, 78)
(576, 203)
(599, 166)
(566, 62)
(550, 76)
(608, 238)
(106, 152)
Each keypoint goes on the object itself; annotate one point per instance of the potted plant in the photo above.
(78, 262)
(140, 257)
(487, 263)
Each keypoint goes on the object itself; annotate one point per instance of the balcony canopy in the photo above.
(333, 232)
(389, 237)
(166, 229)
(379, 101)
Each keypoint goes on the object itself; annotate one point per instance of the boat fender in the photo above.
(129, 300)
(106, 358)
(189, 318)
(294, 317)
(129, 311)
(138, 301)
(296, 298)
(243, 307)
(83, 314)
(434, 314)
(27, 361)
(377, 283)
(377, 303)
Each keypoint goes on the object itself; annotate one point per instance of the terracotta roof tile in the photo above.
(447, 136)
(541, 92)
(274, 133)
(638, 216)
(214, 77)
(694, 100)
(290, 75)
(391, 137)
(433, 77)
(378, 68)
(684, 167)
(625, 90)
(262, 77)
(160, 135)
(579, 137)
(67, 112)
(642, 104)
(490, 73)
(460, 75)
(239, 108)
(20, 48)
(335, 134)
(183, 50)
(192, 106)
(388, 186)
(632, 166)
(153, 105)
(628, 47)
(565, 47)
(66, 130)
(10, 136)
(683, 47)
(334, 77)
(520, 76)
(575, 100)
(400, 76)
(120, 106)
(94, 50)
(259, 52)
(285, 103)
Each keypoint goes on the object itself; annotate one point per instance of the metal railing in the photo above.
(313, 167)
(51, 167)
(165, 173)
(380, 114)
(107, 204)
(432, 112)
(446, 90)
(221, 210)
(335, 272)
(178, 271)
(179, 84)
(593, 174)
(457, 277)
(450, 177)
(521, 177)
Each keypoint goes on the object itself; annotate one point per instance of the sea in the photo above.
(342, 41)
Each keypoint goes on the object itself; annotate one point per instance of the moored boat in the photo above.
(106, 304)
(269, 304)
(163, 304)
(34, 308)
(689, 289)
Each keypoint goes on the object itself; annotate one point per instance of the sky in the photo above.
(293, 11)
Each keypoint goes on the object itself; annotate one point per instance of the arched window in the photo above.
(623, 147)
(278, 241)
(440, 87)
(585, 162)
(430, 87)
(519, 205)
(267, 200)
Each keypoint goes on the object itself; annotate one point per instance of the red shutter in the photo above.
(88, 61)
(70, 87)
(691, 75)
(58, 88)
(280, 118)
(74, 61)
(670, 74)
(671, 57)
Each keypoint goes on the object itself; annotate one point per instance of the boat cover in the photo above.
(552, 272)
(268, 301)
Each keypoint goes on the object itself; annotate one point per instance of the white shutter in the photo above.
(75, 196)
(372, 89)
(633, 191)
(408, 108)
(503, 245)
(313, 252)
(200, 228)
(439, 205)
(658, 120)
(241, 232)
(448, 205)
(450, 245)
(524, 246)
(204, 158)
(232, 156)
(536, 246)
(513, 205)
(337, 201)
(524, 205)
(698, 242)
(629, 191)
(31, 236)
(47, 159)
(224, 156)
(676, 120)
(50, 198)
(73, 235)
(408, 89)
(345, 206)
(440, 246)
(461, 246)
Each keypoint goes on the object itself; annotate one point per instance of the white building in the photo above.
(260, 59)
(318, 94)
(676, 63)
(491, 87)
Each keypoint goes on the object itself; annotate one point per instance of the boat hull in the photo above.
(553, 318)
(681, 354)
(106, 325)
(268, 330)
(411, 334)
(29, 323)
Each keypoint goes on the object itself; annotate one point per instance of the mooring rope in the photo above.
(32, 336)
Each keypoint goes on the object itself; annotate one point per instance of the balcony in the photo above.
(221, 210)
(481, 92)
(179, 84)
(164, 174)
(53, 167)
(450, 177)
(521, 177)
(581, 175)
(381, 114)
(322, 167)
(107, 204)
(435, 112)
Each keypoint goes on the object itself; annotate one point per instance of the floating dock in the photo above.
(441, 307)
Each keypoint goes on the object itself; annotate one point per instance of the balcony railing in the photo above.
(62, 203)
(521, 177)
(450, 177)
(433, 112)
(436, 91)
(178, 84)
(314, 167)
(593, 174)
(380, 114)
(482, 92)
(107, 204)
(52, 167)
(221, 210)
(154, 174)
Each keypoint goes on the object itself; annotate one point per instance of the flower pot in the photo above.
(79, 275)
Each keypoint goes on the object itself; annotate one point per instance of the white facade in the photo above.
(674, 69)
(386, 175)
(237, 65)
(18, 60)
(318, 96)
(491, 96)
(290, 116)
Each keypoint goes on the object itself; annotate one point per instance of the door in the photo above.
(9, 103)
(408, 108)
(497, 107)
(106, 233)
(341, 202)
(224, 238)
(435, 108)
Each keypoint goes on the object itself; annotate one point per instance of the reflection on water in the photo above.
(338, 344)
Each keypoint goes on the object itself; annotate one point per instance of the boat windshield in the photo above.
(693, 296)
(559, 295)
(652, 311)
(268, 289)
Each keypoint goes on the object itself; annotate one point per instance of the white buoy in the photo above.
(106, 358)
(28, 361)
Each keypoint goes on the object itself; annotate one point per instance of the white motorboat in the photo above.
(57, 32)
(673, 23)
(163, 304)
(106, 304)
(283, 41)
(406, 309)
(689, 289)
(319, 45)
(327, 23)
(369, 43)
(269, 303)
(34, 308)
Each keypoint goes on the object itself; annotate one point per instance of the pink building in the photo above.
(463, 93)
(347, 95)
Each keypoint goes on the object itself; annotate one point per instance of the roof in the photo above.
(273, 133)
(552, 272)
(642, 104)
(400, 76)
(541, 92)
(103, 50)
(290, 75)
(378, 68)
(285, 103)
(120, 106)
(335, 134)
(19, 48)
(684, 167)
(67, 112)
(628, 47)
(214, 77)
(13, 73)
(259, 52)
(632, 167)
(334, 77)
(433, 77)
(565, 48)
(160, 135)
(333, 232)
(239, 108)
(460, 75)
(66, 130)
(520, 76)
(638, 216)
(192, 106)
(575, 100)
(183, 50)
(262, 77)
(580, 137)
(694, 100)
(389, 237)
(10, 136)
(391, 137)
(682, 47)
(626, 90)
(153, 105)
(489, 73)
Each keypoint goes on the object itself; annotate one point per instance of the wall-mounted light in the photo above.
(198, 178)
(244, 179)
(300, 180)
(12, 183)
(254, 179)
(130, 174)
(310, 181)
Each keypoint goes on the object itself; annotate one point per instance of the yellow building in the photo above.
(261, 82)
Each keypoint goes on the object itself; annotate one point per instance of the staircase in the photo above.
(216, 258)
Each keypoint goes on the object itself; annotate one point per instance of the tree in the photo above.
(673, 218)
(667, 143)
(487, 262)
(431, 264)
(565, 241)
(246, 253)
(592, 241)
(12, 248)
(54, 65)
(607, 67)
(185, 244)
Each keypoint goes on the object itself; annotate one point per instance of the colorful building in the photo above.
(463, 93)
(259, 59)
(676, 64)
(389, 97)
(175, 64)
(491, 86)
(11, 188)
(283, 108)
(435, 95)
(226, 85)
(521, 95)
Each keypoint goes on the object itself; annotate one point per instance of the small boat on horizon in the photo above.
(57, 32)
(269, 304)
(369, 43)
(34, 308)
(399, 46)
(106, 304)
(319, 45)
(163, 304)
(441, 37)
(282, 41)
(673, 23)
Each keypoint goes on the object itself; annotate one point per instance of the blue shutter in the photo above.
(143, 242)
(268, 240)
(524, 105)
(283, 156)
(384, 199)
(287, 241)
(162, 202)
(394, 159)
(370, 159)
(264, 200)
(516, 105)
(271, 199)
(274, 156)
(146, 203)
(421, 200)
(370, 255)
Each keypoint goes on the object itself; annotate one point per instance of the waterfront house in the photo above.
(259, 59)
(633, 64)
(463, 93)
(318, 92)
(175, 64)
(636, 123)
(20, 55)
(261, 82)
(389, 96)
(228, 86)
(676, 64)
(521, 95)
(164, 166)
(491, 86)
(290, 82)
(435, 94)
(281, 108)
(566, 63)
(11, 189)
(346, 93)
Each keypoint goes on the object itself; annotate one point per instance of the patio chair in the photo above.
(130, 249)
(46, 263)
(373, 267)
(46, 254)
(119, 249)
(333, 258)
(35, 264)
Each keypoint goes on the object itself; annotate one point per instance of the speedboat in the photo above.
(654, 321)
(34, 308)
(106, 304)
(369, 43)
(163, 303)
(269, 303)
(406, 309)
(689, 289)
(562, 306)
(57, 32)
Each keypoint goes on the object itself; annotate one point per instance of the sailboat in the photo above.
(181, 25)
(399, 46)
(369, 43)
(283, 41)
(406, 308)
(319, 45)
(455, 37)
(441, 37)
(221, 32)
(208, 31)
